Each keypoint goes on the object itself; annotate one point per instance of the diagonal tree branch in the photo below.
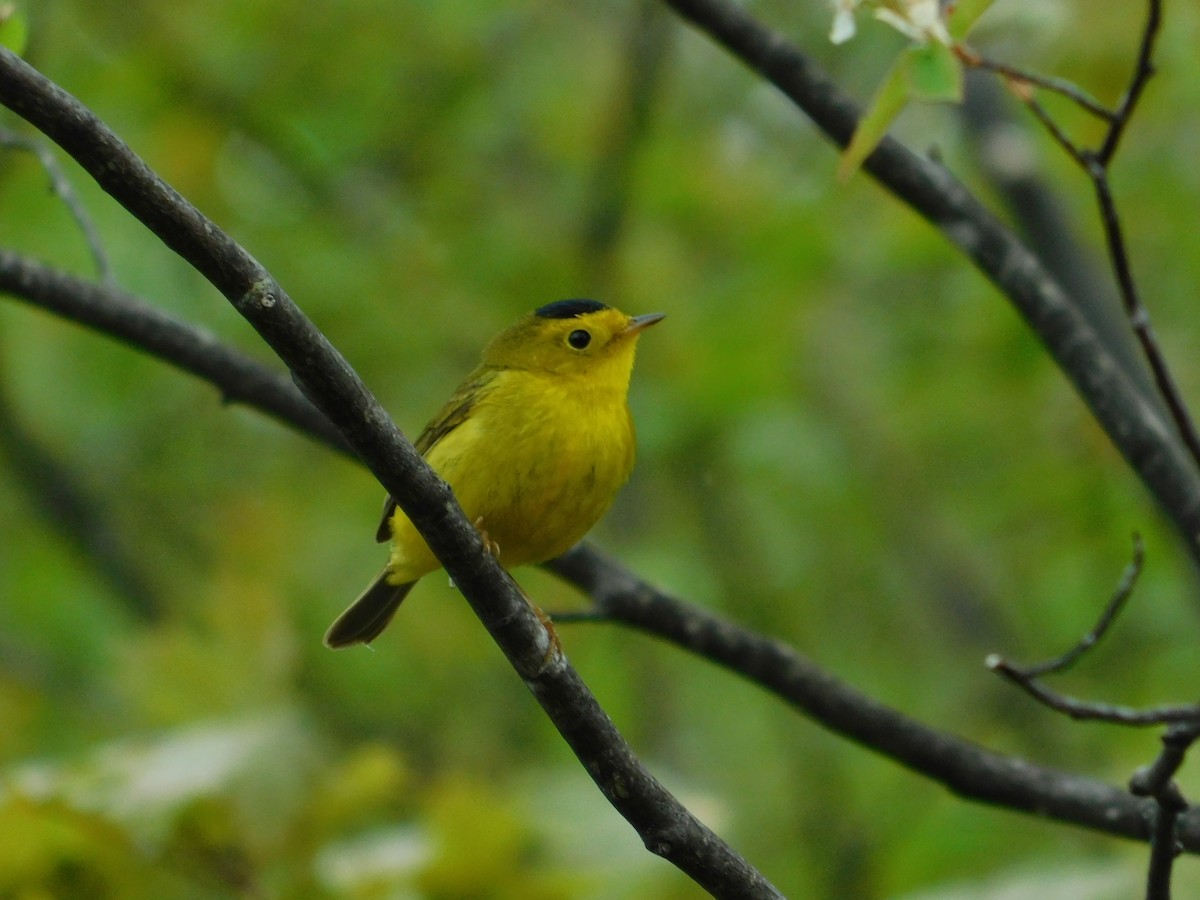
(1007, 155)
(665, 826)
(968, 770)
(963, 767)
(1096, 163)
(1132, 420)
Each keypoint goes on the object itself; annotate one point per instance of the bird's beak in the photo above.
(641, 323)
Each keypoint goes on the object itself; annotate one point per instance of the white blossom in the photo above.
(918, 20)
(843, 20)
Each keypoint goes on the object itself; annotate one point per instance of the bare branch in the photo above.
(1096, 164)
(1007, 156)
(963, 767)
(665, 826)
(1142, 71)
(1111, 611)
(1026, 677)
(1139, 316)
(1131, 420)
(1060, 137)
(1155, 780)
(1020, 79)
(1091, 711)
(621, 597)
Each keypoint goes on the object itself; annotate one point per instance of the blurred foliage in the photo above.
(847, 440)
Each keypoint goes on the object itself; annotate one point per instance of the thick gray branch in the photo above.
(665, 826)
(1133, 422)
(963, 767)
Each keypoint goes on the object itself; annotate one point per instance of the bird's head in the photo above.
(572, 338)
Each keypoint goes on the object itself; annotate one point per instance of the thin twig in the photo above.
(1142, 71)
(1090, 711)
(1060, 137)
(1139, 315)
(1132, 422)
(1113, 609)
(1095, 164)
(963, 767)
(1026, 677)
(61, 185)
(1016, 76)
(1008, 160)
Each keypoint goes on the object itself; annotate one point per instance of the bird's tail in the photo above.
(366, 617)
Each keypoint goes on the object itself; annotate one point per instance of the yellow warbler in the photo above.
(535, 443)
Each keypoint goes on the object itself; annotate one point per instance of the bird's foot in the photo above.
(555, 648)
(488, 544)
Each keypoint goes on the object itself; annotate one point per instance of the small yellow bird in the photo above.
(535, 444)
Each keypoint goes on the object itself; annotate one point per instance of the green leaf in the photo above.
(934, 73)
(890, 98)
(964, 15)
(14, 29)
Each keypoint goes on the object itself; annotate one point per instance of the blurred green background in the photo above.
(847, 440)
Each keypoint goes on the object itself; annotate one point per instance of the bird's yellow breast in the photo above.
(537, 462)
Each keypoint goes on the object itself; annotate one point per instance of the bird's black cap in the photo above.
(568, 309)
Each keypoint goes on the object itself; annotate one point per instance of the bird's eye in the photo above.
(579, 338)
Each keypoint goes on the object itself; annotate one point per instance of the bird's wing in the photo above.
(453, 414)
